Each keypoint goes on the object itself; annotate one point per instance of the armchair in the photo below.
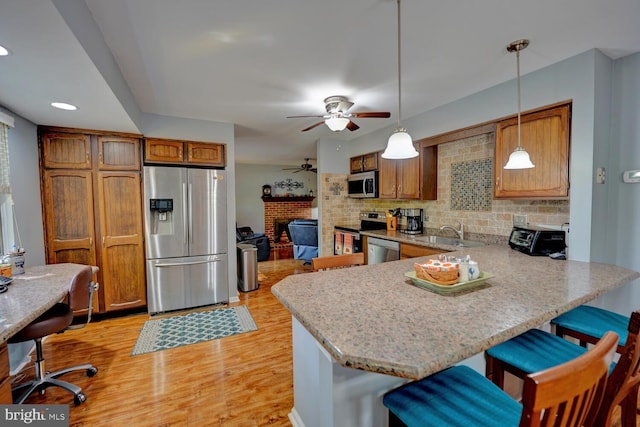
(304, 235)
(247, 236)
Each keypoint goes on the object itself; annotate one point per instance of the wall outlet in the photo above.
(601, 175)
(519, 220)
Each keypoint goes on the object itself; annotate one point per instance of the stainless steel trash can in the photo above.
(247, 267)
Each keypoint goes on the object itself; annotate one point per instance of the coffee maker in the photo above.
(412, 221)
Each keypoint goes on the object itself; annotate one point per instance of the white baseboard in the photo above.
(295, 419)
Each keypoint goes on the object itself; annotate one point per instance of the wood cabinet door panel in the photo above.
(163, 151)
(355, 164)
(66, 151)
(206, 154)
(387, 179)
(408, 178)
(408, 250)
(5, 380)
(121, 240)
(116, 153)
(545, 136)
(68, 200)
(370, 162)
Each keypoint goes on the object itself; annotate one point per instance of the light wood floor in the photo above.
(243, 380)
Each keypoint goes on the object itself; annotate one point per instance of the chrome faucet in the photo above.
(460, 232)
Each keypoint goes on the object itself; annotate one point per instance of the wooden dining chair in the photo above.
(536, 350)
(337, 261)
(565, 395)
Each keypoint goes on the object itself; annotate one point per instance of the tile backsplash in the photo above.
(465, 193)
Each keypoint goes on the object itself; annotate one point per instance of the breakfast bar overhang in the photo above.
(361, 331)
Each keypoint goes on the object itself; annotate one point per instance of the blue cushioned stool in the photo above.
(588, 324)
(457, 396)
(529, 352)
(536, 350)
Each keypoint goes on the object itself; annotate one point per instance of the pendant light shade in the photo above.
(400, 144)
(337, 124)
(519, 159)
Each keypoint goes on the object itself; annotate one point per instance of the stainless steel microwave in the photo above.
(363, 185)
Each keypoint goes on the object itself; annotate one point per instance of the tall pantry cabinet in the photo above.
(92, 207)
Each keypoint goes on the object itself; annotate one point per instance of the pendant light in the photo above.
(400, 145)
(519, 159)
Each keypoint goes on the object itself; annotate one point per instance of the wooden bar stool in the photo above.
(588, 324)
(565, 395)
(535, 350)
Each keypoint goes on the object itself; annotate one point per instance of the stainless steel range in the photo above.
(347, 239)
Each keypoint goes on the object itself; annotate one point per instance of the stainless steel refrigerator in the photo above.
(186, 237)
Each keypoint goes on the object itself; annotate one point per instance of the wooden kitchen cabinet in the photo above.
(122, 260)
(5, 379)
(545, 136)
(399, 179)
(66, 151)
(94, 216)
(184, 152)
(407, 250)
(364, 163)
(118, 153)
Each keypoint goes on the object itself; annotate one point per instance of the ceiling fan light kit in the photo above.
(519, 158)
(400, 144)
(338, 119)
(337, 124)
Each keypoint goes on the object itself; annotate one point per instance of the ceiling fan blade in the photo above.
(372, 114)
(352, 126)
(314, 170)
(298, 117)
(312, 126)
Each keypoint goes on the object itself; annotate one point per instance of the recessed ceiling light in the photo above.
(4, 51)
(64, 106)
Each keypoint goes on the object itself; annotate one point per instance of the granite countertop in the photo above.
(33, 293)
(374, 319)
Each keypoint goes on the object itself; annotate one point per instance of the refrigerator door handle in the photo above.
(189, 195)
(184, 214)
(178, 264)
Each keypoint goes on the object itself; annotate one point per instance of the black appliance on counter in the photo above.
(533, 240)
(411, 221)
(368, 221)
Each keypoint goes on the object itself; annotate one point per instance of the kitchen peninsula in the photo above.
(361, 331)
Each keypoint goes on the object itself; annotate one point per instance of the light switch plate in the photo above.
(519, 220)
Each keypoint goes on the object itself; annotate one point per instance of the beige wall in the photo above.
(492, 225)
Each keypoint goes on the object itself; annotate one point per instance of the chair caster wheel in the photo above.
(79, 398)
(91, 372)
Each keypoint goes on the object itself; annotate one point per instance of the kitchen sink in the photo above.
(449, 241)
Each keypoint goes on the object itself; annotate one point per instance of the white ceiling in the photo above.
(252, 63)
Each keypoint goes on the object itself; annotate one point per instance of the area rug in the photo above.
(176, 331)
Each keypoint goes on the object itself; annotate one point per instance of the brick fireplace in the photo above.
(279, 209)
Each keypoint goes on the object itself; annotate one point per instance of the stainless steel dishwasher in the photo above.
(381, 250)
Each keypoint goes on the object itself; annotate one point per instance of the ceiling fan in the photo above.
(337, 118)
(306, 166)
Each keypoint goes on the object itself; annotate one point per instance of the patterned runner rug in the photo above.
(176, 331)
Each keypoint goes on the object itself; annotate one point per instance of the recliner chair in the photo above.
(259, 240)
(304, 235)
(56, 320)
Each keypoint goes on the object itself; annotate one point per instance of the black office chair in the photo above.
(304, 235)
(56, 320)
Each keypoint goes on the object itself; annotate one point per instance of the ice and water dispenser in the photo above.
(161, 216)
